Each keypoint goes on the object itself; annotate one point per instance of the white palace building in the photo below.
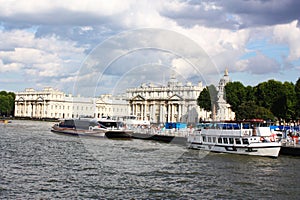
(53, 104)
(174, 102)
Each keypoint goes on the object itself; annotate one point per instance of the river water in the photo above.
(39, 164)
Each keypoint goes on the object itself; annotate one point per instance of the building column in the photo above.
(161, 113)
(169, 112)
(44, 110)
(134, 109)
(179, 117)
(31, 109)
(145, 110)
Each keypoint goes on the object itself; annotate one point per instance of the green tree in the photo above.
(204, 100)
(207, 98)
(290, 101)
(7, 103)
(250, 110)
(250, 94)
(270, 94)
(297, 103)
(236, 94)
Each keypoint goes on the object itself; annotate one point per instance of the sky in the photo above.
(95, 47)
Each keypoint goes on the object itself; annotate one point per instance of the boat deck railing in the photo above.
(164, 132)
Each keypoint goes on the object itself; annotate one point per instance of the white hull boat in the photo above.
(236, 138)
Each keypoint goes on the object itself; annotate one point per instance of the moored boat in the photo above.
(245, 137)
(114, 129)
(5, 121)
(92, 127)
(79, 127)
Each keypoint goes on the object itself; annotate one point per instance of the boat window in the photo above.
(237, 141)
(220, 140)
(214, 139)
(204, 139)
(225, 140)
(246, 126)
(208, 139)
(245, 141)
(231, 141)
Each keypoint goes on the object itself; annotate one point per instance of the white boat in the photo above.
(114, 128)
(245, 137)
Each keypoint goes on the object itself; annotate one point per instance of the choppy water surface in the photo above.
(39, 164)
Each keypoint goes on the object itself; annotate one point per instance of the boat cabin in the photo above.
(110, 124)
(80, 123)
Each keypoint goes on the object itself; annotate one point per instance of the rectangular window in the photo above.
(209, 139)
(204, 139)
(225, 140)
(231, 141)
(237, 141)
(245, 141)
(220, 140)
(214, 139)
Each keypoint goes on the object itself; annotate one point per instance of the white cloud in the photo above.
(259, 64)
(15, 7)
(38, 60)
(11, 67)
(289, 34)
(48, 40)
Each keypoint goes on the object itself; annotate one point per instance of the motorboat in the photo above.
(113, 128)
(78, 127)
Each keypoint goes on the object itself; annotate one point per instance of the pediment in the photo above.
(138, 98)
(100, 101)
(175, 97)
(21, 99)
(40, 99)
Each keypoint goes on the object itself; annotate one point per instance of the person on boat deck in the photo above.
(253, 130)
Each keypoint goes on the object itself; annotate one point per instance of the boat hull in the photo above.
(291, 150)
(271, 150)
(93, 132)
(118, 134)
(74, 132)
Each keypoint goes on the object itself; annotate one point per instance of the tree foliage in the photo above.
(250, 110)
(268, 100)
(297, 103)
(235, 94)
(207, 98)
(7, 100)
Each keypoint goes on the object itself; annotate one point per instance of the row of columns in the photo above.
(34, 109)
(158, 112)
